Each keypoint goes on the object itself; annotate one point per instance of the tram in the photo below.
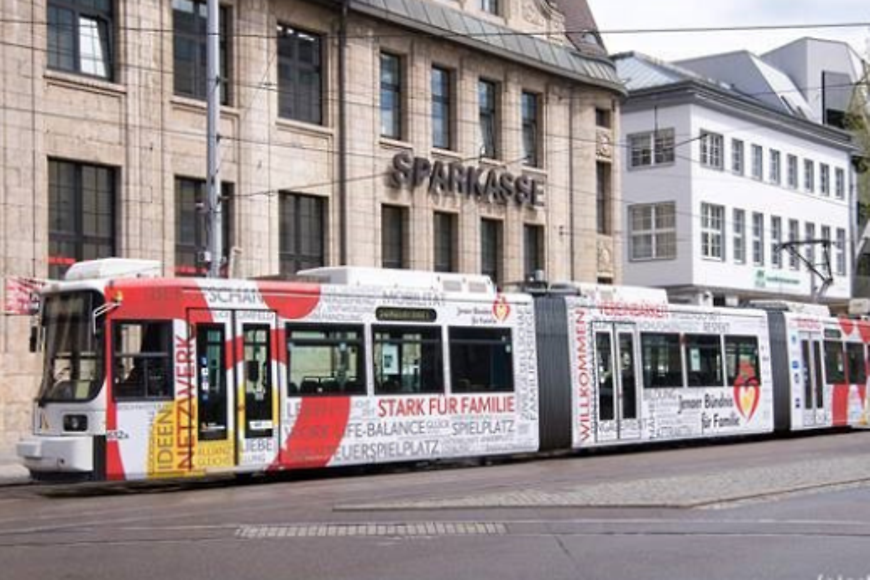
(146, 377)
(820, 367)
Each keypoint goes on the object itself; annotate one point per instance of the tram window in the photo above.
(855, 360)
(408, 360)
(143, 360)
(211, 382)
(704, 360)
(326, 360)
(741, 358)
(835, 363)
(662, 363)
(481, 360)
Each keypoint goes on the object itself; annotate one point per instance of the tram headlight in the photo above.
(75, 423)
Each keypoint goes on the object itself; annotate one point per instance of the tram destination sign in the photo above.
(395, 314)
(441, 177)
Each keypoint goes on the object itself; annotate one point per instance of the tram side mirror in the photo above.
(252, 371)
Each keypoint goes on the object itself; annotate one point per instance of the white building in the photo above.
(831, 75)
(715, 179)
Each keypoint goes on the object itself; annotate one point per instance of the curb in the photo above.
(15, 481)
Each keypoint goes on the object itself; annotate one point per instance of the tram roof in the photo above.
(404, 279)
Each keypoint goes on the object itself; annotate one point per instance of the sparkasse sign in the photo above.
(454, 178)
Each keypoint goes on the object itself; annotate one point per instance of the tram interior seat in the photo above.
(391, 385)
(310, 386)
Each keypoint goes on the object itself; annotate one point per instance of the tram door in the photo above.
(617, 388)
(814, 382)
(212, 372)
(257, 390)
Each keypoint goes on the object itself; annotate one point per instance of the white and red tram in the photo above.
(147, 377)
(820, 368)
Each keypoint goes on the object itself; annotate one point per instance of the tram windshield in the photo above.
(73, 368)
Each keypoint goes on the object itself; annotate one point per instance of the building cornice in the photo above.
(693, 92)
(456, 26)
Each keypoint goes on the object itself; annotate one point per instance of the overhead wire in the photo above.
(269, 87)
(505, 32)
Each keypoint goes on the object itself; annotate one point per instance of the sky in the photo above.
(647, 14)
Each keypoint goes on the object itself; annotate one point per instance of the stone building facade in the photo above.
(103, 142)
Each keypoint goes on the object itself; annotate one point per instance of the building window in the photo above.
(653, 231)
(603, 197)
(737, 156)
(711, 150)
(641, 149)
(491, 249)
(394, 222)
(775, 241)
(825, 233)
(810, 230)
(603, 118)
(488, 114)
(841, 252)
(391, 96)
(739, 236)
(809, 176)
(81, 214)
(663, 146)
(758, 239)
(445, 242)
(302, 232)
(80, 37)
(533, 249)
(794, 230)
(824, 180)
(531, 129)
(300, 75)
(489, 6)
(775, 167)
(840, 183)
(442, 111)
(191, 219)
(757, 162)
(652, 148)
(189, 18)
(712, 223)
(793, 171)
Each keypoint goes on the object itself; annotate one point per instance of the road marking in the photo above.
(379, 529)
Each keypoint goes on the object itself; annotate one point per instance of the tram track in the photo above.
(446, 530)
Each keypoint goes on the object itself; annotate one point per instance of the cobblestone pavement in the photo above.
(685, 491)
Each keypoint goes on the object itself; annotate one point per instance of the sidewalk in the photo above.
(11, 470)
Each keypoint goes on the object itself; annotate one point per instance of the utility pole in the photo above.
(214, 228)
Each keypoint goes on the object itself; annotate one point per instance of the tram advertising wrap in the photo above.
(646, 370)
(307, 394)
(154, 377)
(473, 420)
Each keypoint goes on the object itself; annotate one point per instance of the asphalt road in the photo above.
(788, 509)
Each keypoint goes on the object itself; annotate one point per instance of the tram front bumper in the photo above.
(57, 454)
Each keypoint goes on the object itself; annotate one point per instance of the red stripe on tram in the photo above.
(317, 433)
(840, 405)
